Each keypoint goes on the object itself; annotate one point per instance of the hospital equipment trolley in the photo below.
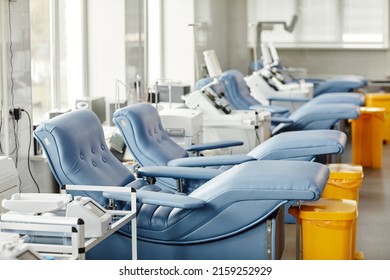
(76, 230)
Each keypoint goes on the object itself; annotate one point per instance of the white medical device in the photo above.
(183, 125)
(267, 83)
(13, 248)
(220, 122)
(263, 86)
(212, 63)
(96, 219)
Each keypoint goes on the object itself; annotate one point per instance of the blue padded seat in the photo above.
(235, 88)
(235, 215)
(238, 95)
(336, 84)
(240, 207)
(316, 113)
(342, 83)
(133, 121)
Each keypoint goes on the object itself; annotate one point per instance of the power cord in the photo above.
(29, 149)
(16, 113)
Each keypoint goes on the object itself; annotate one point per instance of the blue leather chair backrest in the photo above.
(237, 91)
(77, 152)
(142, 126)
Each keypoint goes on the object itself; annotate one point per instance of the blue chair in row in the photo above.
(142, 130)
(234, 215)
(337, 84)
(321, 112)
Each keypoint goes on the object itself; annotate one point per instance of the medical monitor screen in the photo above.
(95, 209)
(27, 255)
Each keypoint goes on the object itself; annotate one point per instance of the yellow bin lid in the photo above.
(378, 96)
(372, 110)
(328, 209)
(345, 171)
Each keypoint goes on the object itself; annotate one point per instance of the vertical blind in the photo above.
(332, 23)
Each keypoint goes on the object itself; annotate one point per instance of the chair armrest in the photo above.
(179, 172)
(289, 99)
(213, 145)
(281, 120)
(270, 108)
(161, 199)
(210, 160)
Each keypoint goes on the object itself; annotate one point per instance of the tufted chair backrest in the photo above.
(77, 152)
(141, 127)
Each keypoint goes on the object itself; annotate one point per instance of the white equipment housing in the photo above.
(261, 90)
(24, 207)
(184, 126)
(220, 123)
(8, 179)
(13, 248)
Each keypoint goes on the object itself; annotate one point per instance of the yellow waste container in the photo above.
(381, 100)
(367, 137)
(344, 181)
(326, 228)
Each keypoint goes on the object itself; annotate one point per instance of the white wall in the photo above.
(373, 64)
(16, 88)
(222, 28)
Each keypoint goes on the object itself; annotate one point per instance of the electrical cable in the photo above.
(15, 150)
(28, 152)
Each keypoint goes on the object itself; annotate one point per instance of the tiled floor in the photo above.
(373, 228)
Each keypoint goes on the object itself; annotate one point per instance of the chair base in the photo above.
(257, 243)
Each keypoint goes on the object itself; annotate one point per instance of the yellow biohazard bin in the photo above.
(326, 228)
(344, 181)
(381, 100)
(367, 137)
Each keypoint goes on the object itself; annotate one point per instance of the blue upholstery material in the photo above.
(151, 135)
(235, 89)
(339, 97)
(345, 83)
(320, 113)
(84, 159)
(238, 95)
(318, 116)
(225, 218)
(168, 232)
(340, 83)
(132, 124)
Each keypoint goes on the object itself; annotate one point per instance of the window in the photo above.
(72, 42)
(322, 23)
(56, 55)
(40, 58)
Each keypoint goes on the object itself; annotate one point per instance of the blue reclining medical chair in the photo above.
(237, 93)
(236, 215)
(239, 98)
(150, 145)
(322, 113)
(344, 83)
(336, 84)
